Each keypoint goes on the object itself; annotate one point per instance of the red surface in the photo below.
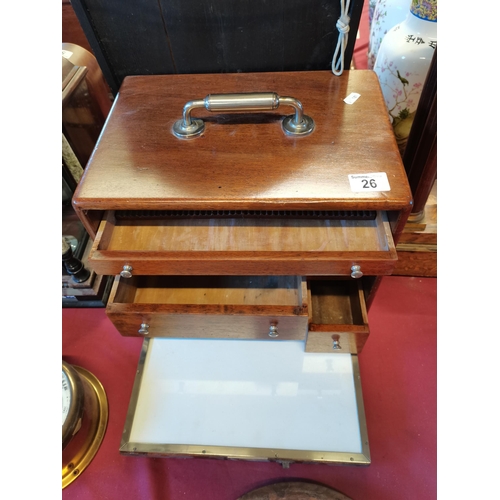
(398, 374)
(360, 53)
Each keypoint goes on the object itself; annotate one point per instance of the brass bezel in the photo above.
(285, 457)
(72, 422)
(80, 451)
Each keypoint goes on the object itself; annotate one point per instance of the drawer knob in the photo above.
(126, 272)
(356, 272)
(273, 331)
(336, 343)
(144, 329)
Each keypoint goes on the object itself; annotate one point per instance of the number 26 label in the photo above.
(369, 182)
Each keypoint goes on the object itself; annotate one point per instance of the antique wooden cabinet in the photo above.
(256, 209)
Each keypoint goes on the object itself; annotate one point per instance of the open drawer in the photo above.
(238, 307)
(249, 400)
(152, 245)
(338, 320)
(330, 312)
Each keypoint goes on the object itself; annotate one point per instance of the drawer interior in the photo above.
(338, 320)
(245, 235)
(335, 302)
(235, 307)
(215, 290)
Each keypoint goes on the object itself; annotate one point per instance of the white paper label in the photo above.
(67, 54)
(352, 98)
(369, 182)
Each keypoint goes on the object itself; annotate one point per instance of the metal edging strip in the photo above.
(283, 456)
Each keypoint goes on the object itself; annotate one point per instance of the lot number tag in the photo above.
(369, 182)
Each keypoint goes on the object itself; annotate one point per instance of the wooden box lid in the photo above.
(244, 161)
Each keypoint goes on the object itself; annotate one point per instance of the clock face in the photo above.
(66, 396)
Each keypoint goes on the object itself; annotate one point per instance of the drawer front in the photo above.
(336, 342)
(338, 321)
(241, 307)
(209, 326)
(328, 314)
(244, 247)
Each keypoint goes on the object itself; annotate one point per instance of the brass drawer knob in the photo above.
(273, 331)
(144, 329)
(356, 272)
(126, 272)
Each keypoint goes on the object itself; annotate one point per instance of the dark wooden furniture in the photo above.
(420, 156)
(417, 249)
(85, 105)
(245, 232)
(151, 37)
(141, 176)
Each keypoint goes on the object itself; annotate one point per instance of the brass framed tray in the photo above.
(248, 400)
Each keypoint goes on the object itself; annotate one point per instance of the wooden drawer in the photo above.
(331, 312)
(338, 319)
(243, 246)
(238, 307)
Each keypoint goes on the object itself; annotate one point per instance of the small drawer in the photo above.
(152, 245)
(338, 320)
(229, 307)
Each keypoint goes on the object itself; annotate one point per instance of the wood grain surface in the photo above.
(243, 307)
(210, 307)
(250, 246)
(337, 312)
(244, 160)
(294, 490)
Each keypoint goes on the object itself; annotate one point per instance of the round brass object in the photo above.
(85, 417)
(72, 403)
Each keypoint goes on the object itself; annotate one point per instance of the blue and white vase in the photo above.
(402, 64)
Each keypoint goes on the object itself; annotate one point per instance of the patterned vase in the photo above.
(386, 15)
(371, 9)
(403, 62)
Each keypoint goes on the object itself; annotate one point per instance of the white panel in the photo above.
(239, 393)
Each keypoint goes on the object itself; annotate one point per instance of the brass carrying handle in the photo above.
(297, 124)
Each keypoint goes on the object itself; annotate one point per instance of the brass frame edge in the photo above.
(365, 446)
(129, 419)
